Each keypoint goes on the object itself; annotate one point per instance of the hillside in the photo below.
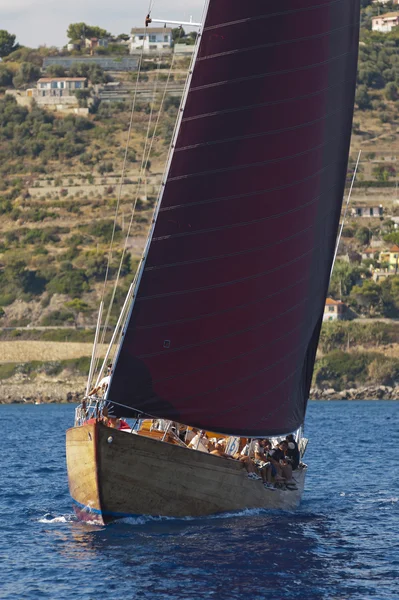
(60, 187)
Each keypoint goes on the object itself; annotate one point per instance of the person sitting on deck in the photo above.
(103, 383)
(260, 456)
(293, 454)
(116, 423)
(246, 458)
(279, 469)
(219, 449)
(200, 442)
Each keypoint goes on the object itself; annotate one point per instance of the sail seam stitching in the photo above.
(238, 51)
(232, 282)
(262, 133)
(221, 312)
(276, 14)
(250, 376)
(264, 104)
(249, 194)
(272, 161)
(249, 352)
(272, 73)
(244, 224)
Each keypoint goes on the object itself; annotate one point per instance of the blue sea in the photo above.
(342, 543)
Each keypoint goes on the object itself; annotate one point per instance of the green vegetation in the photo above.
(78, 31)
(342, 370)
(38, 134)
(7, 43)
(51, 335)
(76, 366)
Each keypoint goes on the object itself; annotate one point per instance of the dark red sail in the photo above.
(225, 326)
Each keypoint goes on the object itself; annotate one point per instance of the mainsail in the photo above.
(224, 329)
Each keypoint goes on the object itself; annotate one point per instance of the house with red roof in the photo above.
(334, 310)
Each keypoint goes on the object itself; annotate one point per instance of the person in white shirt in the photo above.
(103, 383)
(200, 442)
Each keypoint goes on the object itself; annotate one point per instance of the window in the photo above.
(141, 37)
(54, 85)
(43, 86)
(166, 38)
(153, 38)
(62, 84)
(78, 85)
(371, 212)
(331, 308)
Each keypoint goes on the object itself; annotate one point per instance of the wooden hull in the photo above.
(113, 475)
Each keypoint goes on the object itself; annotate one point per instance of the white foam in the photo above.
(48, 518)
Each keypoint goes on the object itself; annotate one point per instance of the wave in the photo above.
(49, 518)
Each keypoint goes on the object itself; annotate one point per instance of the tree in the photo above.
(78, 31)
(55, 71)
(391, 91)
(362, 98)
(178, 33)
(367, 295)
(26, 73)
(363, 235)
(7, 43)
(6, 76)
(344, 277)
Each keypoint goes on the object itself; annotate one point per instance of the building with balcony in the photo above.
(150, 39)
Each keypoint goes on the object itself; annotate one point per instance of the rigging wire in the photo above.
(121, 333)
(146, 154)
(119, 195)
(145, 158)
(166, 170)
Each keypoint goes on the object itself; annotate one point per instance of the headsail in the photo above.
(224, 329)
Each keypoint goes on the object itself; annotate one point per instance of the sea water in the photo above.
(342, 543)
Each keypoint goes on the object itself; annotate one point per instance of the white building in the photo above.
(59, 86)
(368, 211)
(152, 38)
(385, 23)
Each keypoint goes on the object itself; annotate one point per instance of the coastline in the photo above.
(42, 392)
(371, 392)
(57, 391)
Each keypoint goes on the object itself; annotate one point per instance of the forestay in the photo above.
(224, 330)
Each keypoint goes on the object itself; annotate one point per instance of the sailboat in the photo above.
(221, 328)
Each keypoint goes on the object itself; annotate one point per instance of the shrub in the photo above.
(72, 282)
(103, 230)
(57, 317)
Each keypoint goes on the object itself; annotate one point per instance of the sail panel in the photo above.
(224, 329)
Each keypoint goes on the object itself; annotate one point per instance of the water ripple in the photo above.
(340, 544)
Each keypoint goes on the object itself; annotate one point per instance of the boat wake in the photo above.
(49, 518)
(145, 519)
